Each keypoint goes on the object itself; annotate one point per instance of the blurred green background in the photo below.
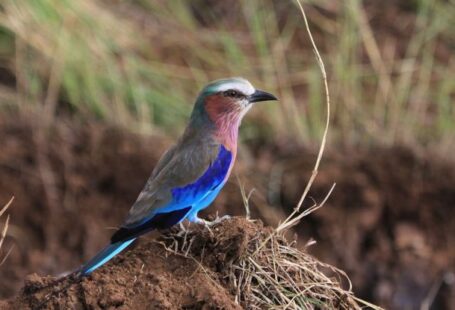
(141, 63)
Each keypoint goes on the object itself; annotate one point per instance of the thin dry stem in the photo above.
(6, 206)
(293, 218)
(327, 123)
(5, 229)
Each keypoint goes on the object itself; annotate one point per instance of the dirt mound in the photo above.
(199, 269)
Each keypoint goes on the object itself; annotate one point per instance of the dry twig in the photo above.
(5, 229)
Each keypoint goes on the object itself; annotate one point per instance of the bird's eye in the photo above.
(232, 93)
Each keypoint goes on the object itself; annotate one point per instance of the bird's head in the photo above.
(224, 102)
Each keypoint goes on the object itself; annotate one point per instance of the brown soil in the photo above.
(149, 276)
(181, 270)
(389, 223)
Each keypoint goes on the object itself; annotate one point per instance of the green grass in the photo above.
(141, 63)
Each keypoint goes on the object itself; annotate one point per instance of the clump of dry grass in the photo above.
(278, 275)
(261, 269)
(5, 229)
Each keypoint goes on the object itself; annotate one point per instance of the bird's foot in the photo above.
(209, 224)
(220, 219)
(212, 223)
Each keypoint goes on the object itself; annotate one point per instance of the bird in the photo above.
(190, 174)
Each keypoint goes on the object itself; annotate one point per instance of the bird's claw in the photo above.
(220, 219)
(214, 222)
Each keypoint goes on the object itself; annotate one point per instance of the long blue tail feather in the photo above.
(125, 236)
(104, 256)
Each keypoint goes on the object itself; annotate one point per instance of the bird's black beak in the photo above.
(260, 95)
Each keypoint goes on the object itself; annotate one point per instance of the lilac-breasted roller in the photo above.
(189, 176)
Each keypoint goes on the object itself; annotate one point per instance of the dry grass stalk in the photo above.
(294, 218)
(5, 228)
(279, 276)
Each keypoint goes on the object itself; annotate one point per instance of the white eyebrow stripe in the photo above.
(240, 85)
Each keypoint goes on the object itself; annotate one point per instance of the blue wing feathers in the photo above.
(211, 179)
(188, 199)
